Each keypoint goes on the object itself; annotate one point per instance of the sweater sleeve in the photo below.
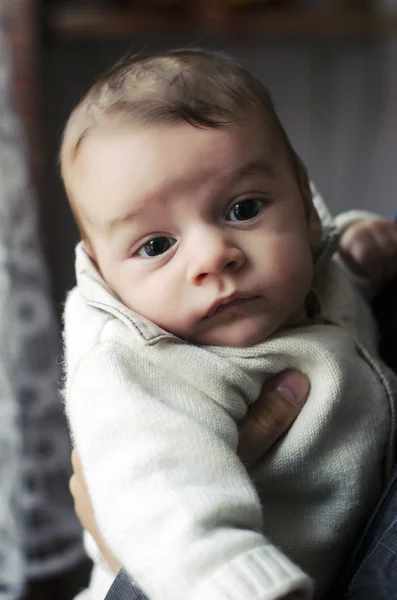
(172, 499)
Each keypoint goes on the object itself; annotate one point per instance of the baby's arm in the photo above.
(277, 407)
(177, 507)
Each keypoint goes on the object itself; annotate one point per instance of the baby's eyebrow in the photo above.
(252, 167)
(255, 167)
(123, 219)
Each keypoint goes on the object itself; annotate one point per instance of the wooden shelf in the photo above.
(67, 22)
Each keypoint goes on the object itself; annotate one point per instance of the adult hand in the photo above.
(369, 248)
(273, 413)
(277, 407)
(85, 511)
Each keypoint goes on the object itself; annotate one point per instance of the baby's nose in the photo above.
(213, 258)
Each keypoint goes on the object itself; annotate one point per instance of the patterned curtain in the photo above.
(39, 534)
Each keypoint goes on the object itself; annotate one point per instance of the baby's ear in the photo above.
(313, 220)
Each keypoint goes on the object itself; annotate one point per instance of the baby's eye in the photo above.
(245, 209)
(156, 246)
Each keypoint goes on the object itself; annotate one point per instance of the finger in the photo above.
(380, 257)
(355, 248)
(78, 495)
(78, 470)
(75, 458)
(78, 491)
(85, 514)
(74, 486)
(369, 248)
(276, 409)
(362, 248)
(82, 504)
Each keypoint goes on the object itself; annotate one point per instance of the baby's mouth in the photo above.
(234, 301)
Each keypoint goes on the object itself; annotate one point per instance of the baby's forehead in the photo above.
(254, 126)
(160, 157)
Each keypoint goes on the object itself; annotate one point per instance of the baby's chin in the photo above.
(236, 335)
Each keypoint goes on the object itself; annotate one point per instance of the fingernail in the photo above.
(294, 386)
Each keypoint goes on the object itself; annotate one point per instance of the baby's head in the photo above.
(189, 197)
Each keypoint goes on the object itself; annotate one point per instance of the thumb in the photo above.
(277, 407)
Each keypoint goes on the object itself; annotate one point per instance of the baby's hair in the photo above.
(199, 87)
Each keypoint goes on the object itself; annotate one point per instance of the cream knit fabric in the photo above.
(154, 419)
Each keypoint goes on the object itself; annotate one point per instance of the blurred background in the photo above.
(331, 66)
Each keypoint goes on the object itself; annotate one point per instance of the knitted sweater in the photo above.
(155, 421)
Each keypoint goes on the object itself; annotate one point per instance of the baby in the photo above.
(204, 269)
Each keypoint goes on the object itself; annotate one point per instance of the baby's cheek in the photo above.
(166, 309)
(142, 299)
(295, 275)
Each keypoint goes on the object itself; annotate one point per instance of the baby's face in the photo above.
(204, 231)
